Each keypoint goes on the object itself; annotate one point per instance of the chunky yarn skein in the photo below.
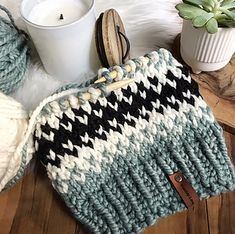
(14, 54)
(13, 125)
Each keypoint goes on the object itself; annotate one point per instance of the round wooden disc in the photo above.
(110, 42)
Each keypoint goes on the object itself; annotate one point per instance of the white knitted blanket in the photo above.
(149, 24)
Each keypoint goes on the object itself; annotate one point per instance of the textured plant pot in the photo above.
(206, 52)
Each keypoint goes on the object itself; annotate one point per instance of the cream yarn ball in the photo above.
(13, 127)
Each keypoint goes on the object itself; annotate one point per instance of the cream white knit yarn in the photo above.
(13, 126)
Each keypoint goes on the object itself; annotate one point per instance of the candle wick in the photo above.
(61, 17)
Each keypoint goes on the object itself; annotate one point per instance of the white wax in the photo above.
(67, 52)
(47, 12)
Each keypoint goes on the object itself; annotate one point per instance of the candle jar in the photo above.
(63, 34)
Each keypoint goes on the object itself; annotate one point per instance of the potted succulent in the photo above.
(208, 33)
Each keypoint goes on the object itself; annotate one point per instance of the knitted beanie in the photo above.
(112, 159)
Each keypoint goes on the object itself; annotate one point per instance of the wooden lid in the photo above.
(111, 42)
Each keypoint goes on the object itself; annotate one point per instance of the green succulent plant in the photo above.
(210, 14)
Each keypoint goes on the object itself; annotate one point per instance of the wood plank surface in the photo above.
(33, 207)
(224, 110)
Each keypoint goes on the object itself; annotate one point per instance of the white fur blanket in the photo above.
(149, 24)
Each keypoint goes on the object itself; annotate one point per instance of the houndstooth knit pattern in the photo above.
(110, 159)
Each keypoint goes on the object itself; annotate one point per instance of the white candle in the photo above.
(48, 12)
(63, 34)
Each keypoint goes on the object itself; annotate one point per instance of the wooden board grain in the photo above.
(9, 201)
(223, 110)
(221, 82)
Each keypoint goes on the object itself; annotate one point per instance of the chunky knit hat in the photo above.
(117, 159)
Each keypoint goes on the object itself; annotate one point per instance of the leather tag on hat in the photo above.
(184, 189)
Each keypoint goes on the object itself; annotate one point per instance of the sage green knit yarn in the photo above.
(14, 54)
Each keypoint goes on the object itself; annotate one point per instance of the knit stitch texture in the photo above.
(14, 54)
(110, 159)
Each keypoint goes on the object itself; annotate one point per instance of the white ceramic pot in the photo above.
(206, 52)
